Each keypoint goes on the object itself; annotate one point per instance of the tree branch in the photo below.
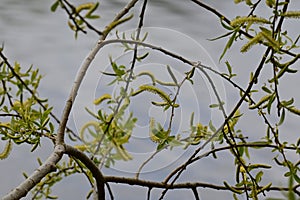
(186, 185)
(91, 166)
(221, 16)
(83, 69)
(47, 167)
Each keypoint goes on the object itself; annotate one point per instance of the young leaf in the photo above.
(228, 45)
(261, 101)
(264, 88)
(282, 117)
(91, 10)
(172, 75)
(54, 6)
(270, 3)
(222, 36)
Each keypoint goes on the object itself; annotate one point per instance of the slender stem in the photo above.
(91, 166)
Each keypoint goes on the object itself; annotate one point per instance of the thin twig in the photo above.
(109, 191)
(195, 192)
(149, 193)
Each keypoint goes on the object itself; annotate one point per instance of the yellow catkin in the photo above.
(292, 14)
(85, 6)
(151, 134)
(241, 20)
(294, 110)
(253, 41)
(154, 90)
(101, 99)
(6, 151)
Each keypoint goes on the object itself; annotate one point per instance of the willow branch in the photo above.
(91, 166)
(81, 18)
(186, 185)
(38, 100)
(47, 167)
(221, 16)
(140, 25)
(83, 69)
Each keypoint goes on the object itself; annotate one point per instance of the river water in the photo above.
(33, 35)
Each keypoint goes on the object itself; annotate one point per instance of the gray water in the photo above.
(33, 35)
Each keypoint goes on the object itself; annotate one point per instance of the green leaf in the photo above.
(211, 126)
(297, 178)
(264, 88)
(214, 105)
(91, 10)
(269, 105)
(51, 197)
(172, 75)
(287, 103)
(54, 6)
(174, 142)
(140, 58)
(270, 3)
(228, 45)
(192, 119)
(222, 36)
(261, 101)
(259, 175)
(229, 68)
(282, 117)
(34, 146)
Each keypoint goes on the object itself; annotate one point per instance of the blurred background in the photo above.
(33, 35)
